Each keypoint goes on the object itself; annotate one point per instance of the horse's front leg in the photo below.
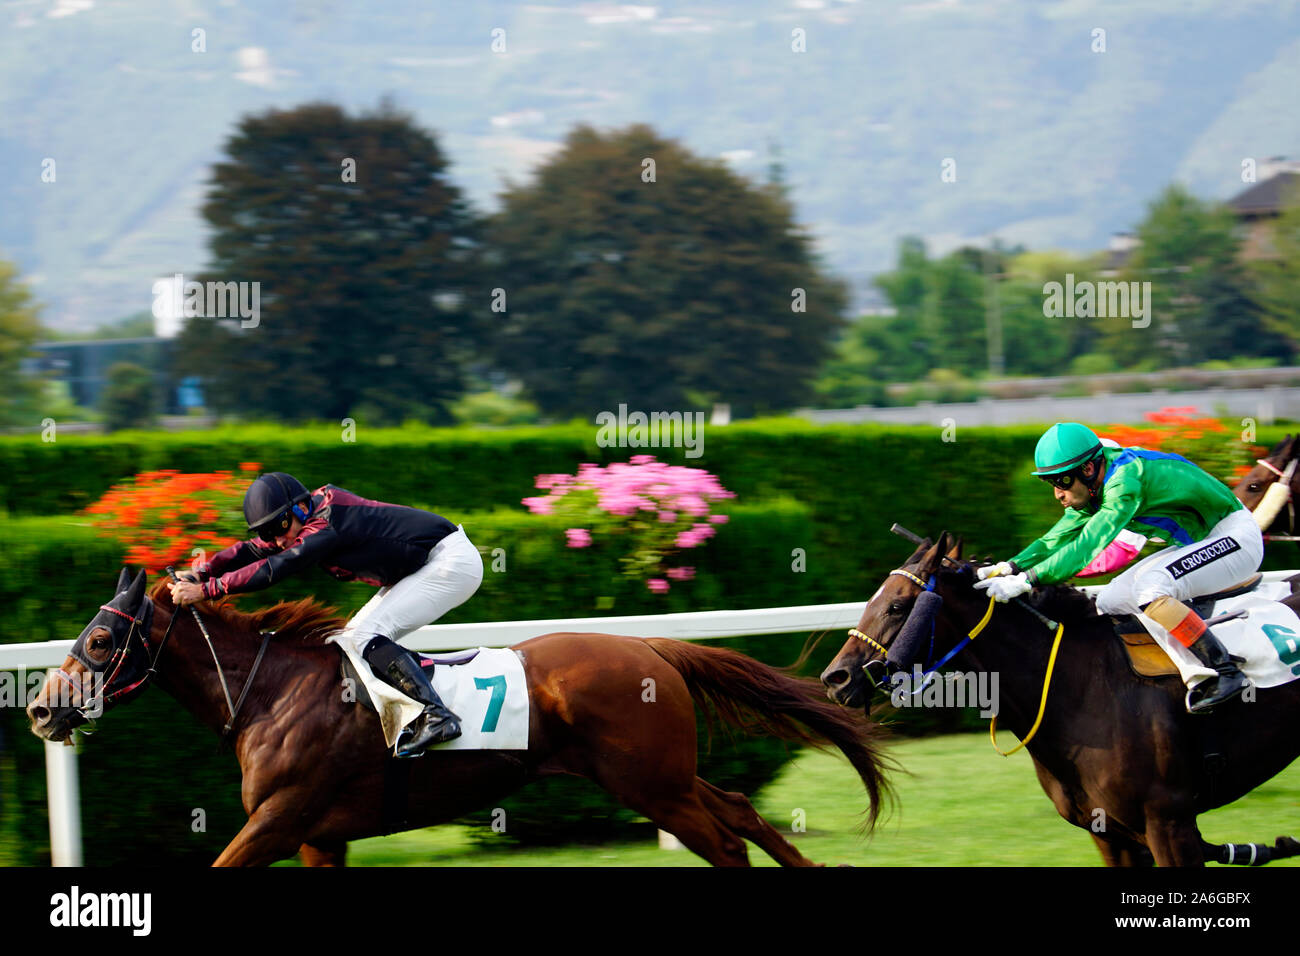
(1174, 841)
(274, 831)
(1121, 851)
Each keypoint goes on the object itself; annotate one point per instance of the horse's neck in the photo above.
(1018, 648)
(187, 671)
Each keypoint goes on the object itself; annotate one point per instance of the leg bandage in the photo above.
(1183, 624)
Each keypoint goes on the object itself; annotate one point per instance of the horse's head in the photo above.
(1256, 489)
(107, 664)
(895, 628)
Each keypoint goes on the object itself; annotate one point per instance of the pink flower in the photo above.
(540, 505)
(681, 574)
(719, 519)
(578, 537)
(667, 517)
(657, 585)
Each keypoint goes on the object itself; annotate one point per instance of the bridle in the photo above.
(140, 626)
(883, 660)
(1284, 479)
(929, 586)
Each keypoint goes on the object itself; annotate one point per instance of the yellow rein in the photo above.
(993, 722)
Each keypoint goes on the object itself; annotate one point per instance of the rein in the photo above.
(231, 708)
(971, 635)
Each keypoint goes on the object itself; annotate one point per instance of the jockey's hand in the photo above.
(188, 575)
(186, 592)
(995, 570)
(1006, 587)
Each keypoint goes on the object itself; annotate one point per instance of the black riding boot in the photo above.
(394, 666)
(1230, 682)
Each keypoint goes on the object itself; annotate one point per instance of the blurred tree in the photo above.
(619, 289)
(365, 254)
(19, 330)
(1278, 279)
(1035, 343)
(129, 398)
(1202, 303)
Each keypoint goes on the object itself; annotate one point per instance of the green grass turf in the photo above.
(960, 805)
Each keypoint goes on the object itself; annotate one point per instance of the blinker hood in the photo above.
(914, 638)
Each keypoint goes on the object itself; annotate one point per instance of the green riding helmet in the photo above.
(1065, 446)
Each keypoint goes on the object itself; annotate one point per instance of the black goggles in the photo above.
(1063, 481)
(274, 527)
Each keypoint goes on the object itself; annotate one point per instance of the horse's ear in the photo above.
(935, 557)
(136, 592)
(123, 581)
(955, 551)
(920, 552)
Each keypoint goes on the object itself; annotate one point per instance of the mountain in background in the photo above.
(1055, 145)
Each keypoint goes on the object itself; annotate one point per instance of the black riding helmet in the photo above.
(272, 502)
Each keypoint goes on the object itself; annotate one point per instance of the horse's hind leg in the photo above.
(688, 818)
(739, 816)
(324, 853)
(685, 813)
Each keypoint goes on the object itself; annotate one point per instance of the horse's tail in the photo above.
(756, 697)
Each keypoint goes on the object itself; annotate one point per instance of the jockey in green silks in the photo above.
(1107, 491)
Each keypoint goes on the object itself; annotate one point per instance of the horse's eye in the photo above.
(99, 643)
(896, 607)
(1253, 486)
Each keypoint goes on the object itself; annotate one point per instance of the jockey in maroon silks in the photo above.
(423, 564)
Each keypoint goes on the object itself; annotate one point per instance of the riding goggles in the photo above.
(1064, 481)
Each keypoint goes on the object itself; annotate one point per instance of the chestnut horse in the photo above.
(1257, 489)
(314, 765)
(1118, 754)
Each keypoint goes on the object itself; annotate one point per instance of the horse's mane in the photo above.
(305, 622)
(1058, 601)
(1285, 449)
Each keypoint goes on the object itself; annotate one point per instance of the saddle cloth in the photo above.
(1267, 640)
(485, 688)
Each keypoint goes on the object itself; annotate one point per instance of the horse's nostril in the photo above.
(835, 678)
(40, 715)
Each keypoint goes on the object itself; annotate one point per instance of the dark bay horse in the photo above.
(314, 764)
(1262, 486)
(1118, 754)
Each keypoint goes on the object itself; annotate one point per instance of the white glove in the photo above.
(1005, 587)
(995, 570)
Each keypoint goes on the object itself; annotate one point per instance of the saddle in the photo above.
(1145, 656)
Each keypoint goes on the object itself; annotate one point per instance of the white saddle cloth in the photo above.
(489, 695)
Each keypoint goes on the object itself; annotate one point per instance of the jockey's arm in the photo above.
(238, 555)
(1065, 529)
(314, 543)
(1099, 530)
